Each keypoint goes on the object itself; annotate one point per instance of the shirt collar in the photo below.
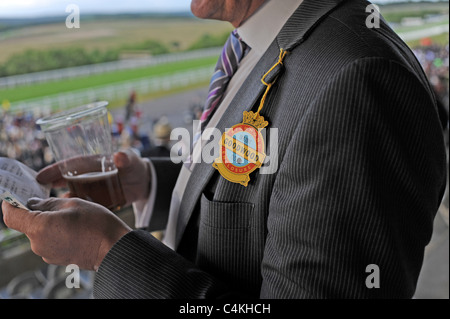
(263, 26)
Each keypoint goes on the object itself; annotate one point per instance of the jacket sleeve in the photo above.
(359, 185)
(140, 267)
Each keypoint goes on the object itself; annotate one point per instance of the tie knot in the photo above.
(238, 43)
(236, 34)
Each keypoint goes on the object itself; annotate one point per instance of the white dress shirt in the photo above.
(258, 32)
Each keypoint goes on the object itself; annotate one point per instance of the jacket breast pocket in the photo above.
(228, 243)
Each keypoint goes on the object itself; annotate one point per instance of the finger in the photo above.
(49, 175)
(49, 204)
(122, 159)
(17, 218)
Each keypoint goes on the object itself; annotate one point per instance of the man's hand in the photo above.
(134, 175)
(67, 231)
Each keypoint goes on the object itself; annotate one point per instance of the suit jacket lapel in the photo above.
(293, 33)
(244, 100)
(303, 21)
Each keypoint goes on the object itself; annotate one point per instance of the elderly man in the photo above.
(346, 214)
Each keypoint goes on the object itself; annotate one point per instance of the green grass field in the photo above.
(50, 88)
(103, 34)
(395, 12)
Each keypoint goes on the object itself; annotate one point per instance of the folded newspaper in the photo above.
(18, 183)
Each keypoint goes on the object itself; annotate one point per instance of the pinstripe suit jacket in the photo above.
(360, 177)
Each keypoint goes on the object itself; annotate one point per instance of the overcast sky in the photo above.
(32, 8)
(27, 8)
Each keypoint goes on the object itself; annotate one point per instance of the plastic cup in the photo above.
(80, 140)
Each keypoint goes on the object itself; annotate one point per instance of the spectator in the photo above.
(161, 132)
(129, 108)
(435, 62)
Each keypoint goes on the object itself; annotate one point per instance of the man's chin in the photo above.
(207, 9)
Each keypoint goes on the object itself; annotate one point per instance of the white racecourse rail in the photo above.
(86, 70)
(121, 90)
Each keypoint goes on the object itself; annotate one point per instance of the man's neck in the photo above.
(259, 30)
(254, 6)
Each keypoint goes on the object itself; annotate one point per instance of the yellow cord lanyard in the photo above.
(269, 85)
(252, 123)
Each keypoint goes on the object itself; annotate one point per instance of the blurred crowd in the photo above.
(151, 138)
(21, 139)
(435, 61)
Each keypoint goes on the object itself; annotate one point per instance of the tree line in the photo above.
(31, 60)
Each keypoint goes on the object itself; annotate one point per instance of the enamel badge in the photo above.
(242, 149)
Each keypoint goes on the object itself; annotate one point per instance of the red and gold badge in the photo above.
(242, 146)
(242, 149)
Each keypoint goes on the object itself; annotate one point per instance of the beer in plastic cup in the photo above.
(80, 140)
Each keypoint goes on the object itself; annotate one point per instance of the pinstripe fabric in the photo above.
(361, 175)
(124, 285)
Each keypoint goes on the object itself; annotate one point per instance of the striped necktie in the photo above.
(232, 54)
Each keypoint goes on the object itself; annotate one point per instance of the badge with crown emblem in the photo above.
(242, 149)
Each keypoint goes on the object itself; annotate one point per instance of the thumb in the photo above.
(124, 158)
(17, 218)
(121, 160)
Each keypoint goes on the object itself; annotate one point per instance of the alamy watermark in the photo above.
(373, 19)
(373, 280)
(211, 148)
(73, 278)
(73, 19)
